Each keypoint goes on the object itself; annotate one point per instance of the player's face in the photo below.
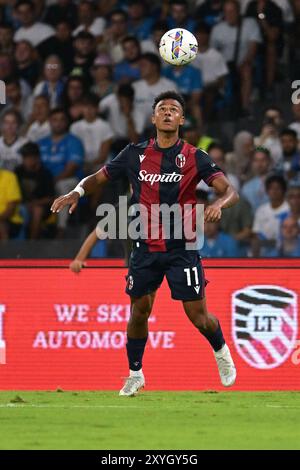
(168, 116)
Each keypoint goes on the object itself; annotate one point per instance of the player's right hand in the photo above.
(70, 199)
(76, 265)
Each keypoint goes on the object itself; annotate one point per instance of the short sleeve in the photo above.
(117, 167)
(208, 170)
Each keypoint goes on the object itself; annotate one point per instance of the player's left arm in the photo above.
(227, 196)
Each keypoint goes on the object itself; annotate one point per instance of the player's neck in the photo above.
(165, 140)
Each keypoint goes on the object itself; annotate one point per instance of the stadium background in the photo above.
(88, 62)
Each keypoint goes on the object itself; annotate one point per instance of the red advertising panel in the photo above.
(61, 330)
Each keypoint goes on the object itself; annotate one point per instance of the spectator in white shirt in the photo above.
(223, 38)
(33, 31)
(39, 126)
(88, 21)
(151, 85)
(126, 121)
(269, 216)
(95, 134)
(10, 141)
(213, 69)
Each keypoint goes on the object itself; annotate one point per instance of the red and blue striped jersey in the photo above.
(163, 176)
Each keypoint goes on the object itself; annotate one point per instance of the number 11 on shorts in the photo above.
(189, 275)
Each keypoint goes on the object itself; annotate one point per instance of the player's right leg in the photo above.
(137, 335)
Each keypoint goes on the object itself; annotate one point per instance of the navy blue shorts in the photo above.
(182, 268)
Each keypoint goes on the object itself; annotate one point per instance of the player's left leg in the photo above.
(210, 328)
(137, 335)
(187, 283)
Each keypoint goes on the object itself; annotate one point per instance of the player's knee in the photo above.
(201, 323)
(139, 317)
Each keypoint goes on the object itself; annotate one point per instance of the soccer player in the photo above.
(164, 170)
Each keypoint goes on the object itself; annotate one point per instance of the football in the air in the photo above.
(178, 46)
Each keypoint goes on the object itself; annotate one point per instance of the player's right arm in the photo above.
(111, 171)
(88, 186)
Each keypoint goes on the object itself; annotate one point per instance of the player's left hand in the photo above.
(212, 213)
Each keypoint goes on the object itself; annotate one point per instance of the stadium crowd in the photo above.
(80, 80)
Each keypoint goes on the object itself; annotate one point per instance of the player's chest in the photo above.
(155, 167)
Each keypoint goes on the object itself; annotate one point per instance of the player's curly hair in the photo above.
(169, 95)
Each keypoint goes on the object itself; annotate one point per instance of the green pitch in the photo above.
(153, 420)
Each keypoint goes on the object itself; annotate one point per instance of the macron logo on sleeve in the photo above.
(142, 157)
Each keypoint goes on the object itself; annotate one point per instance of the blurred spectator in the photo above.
(254, 190)
(140, 25)
(39, 126)
(128, 69)
(95, 134)
(195, 134)
(239, 161)
(10, 197)
(151, 84)
(113, 35)
(218, 244)
(61, 11)
(53, 84)
(189, 83)
(62, 154)
(217, 153)
(268, 217)
(124, 117)
(270, 134)
(290, 153)
(237, 221)
(237, 39)
(213, 69)
(179, 17)
(296, 123)
(10, 141)
(31, 30)
(72, 97)
(88, 21)
(28, 66)
(293, 199)
(62, 44)
(16, 100)
(289, 245)
(152, 43)
(102, 75)
(210, 12)
(84, 55)
(269, 18)
(37, 187)
(8, 70)
(6, 38)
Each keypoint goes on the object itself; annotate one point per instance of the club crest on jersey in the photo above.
(264, 324)
(180, 160)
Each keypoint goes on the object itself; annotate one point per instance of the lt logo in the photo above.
(2, 342)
